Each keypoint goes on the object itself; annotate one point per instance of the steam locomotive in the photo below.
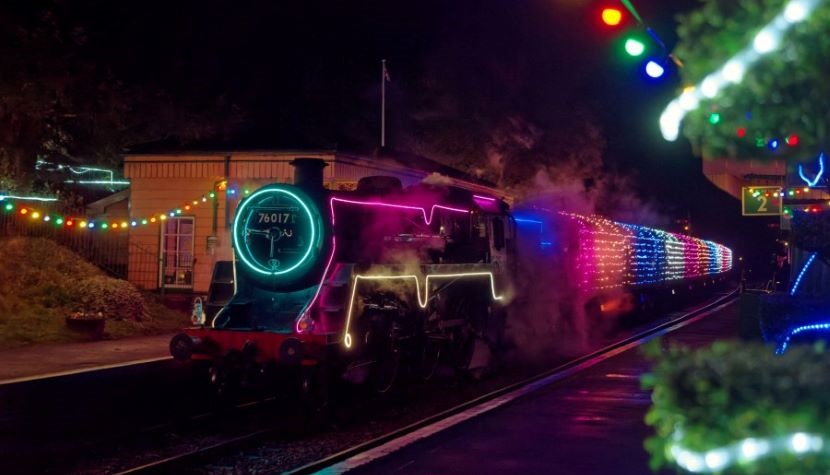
(360, 284)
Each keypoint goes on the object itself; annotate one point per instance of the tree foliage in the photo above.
(784, 92)
(57, 98)
(716, 397)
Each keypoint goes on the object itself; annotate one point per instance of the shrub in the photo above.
(108, 297)
(728, 400)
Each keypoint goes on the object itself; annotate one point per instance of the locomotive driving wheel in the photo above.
(462, 345)
(464, 313)
(429, 358)
(387, 363)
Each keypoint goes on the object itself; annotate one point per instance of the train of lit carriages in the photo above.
(359, 284)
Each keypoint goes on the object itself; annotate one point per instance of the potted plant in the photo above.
(89, 323)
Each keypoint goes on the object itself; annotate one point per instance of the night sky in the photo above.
(307, 73)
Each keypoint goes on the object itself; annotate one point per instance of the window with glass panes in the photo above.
(177, 252)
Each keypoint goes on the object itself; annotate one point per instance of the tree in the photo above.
(58, 98)
(785, 92)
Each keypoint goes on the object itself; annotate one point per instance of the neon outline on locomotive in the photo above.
(239, 213)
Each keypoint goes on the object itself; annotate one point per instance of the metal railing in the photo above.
(111, 251)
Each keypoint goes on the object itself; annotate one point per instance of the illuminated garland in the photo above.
(745, 451)
(38, 215)
(734, 69)
(614, 255)
(791, 193)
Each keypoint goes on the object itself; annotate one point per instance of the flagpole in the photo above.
(383, 103)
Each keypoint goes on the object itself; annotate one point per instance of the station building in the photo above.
(197, 193)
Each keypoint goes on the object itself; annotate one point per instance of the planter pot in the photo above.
(91, 327)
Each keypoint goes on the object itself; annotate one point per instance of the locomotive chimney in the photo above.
(308, 172)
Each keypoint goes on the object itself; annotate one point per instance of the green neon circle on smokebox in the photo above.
(239, 212)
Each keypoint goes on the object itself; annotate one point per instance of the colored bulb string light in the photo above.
(634, 13)
(39, 215)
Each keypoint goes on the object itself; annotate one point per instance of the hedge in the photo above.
(101, 296)
(737, 408)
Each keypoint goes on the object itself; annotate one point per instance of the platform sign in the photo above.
(761, 200)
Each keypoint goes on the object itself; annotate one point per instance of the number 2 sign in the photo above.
(761, 200)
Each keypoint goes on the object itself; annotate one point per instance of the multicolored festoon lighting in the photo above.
(39, 215)
(614, 255)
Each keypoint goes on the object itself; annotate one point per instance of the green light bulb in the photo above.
(634, 47)
(714, 118)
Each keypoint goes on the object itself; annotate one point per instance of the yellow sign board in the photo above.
(761, 201)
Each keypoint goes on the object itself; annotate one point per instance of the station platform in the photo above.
(61, 359)
(589, 422)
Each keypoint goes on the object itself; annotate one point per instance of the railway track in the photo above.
(200, 456)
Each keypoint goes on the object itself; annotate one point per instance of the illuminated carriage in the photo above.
(359, 282)
(601, 260)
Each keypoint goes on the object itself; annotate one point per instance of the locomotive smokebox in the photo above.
(308, 173)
